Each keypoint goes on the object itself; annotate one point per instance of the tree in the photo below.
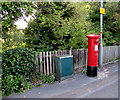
(49, 27)
(58, 25)
(11, 12)
(111, 21)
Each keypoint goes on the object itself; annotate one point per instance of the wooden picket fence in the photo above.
(46, 63)
(110, 53)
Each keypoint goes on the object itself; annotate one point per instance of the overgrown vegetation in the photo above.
(18, 65)
(15, 39)
(19, 71)
(40, 78)
(58, 25)
(111, 22)
(12, 11)
(18, 62)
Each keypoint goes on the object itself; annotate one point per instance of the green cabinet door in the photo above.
(67, 66)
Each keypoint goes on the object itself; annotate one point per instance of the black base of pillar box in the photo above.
(91, 71)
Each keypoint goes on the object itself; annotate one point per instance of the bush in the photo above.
(18, 61)
(41, 78)
(12, 84)
(47, 78)
(18, 65)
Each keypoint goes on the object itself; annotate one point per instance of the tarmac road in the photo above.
(110, 90)
(103, 88)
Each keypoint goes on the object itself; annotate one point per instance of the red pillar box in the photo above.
(93, 41)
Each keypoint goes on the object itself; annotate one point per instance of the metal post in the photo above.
(101, 45)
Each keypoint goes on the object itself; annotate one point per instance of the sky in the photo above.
(21, 24)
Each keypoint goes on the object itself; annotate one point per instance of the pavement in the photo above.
(105, 85)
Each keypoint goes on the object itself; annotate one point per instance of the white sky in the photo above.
(21, 24)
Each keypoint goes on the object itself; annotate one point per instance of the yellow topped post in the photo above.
(102, 10)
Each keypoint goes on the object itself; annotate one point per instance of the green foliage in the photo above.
(58, 26)
(15, 39)
(0, 81)
(12, 84)
(18, 65)
(19, 71)
(111, 21)
(11, 11)
(0, 94)
(83, 70)
(40, 78)
(47, 78)
(18, 61)
(79, 26)
(45, 28)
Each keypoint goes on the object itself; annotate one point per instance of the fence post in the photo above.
(53, 63)
(47, 63)
(86, 57)
(44, 63)
(50, 62)
(70, 52)
(41, 67)
(36, 58)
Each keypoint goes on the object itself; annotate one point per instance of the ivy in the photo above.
(19, 71)
(18, 67)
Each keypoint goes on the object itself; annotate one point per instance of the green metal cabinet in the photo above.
(63, 67)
